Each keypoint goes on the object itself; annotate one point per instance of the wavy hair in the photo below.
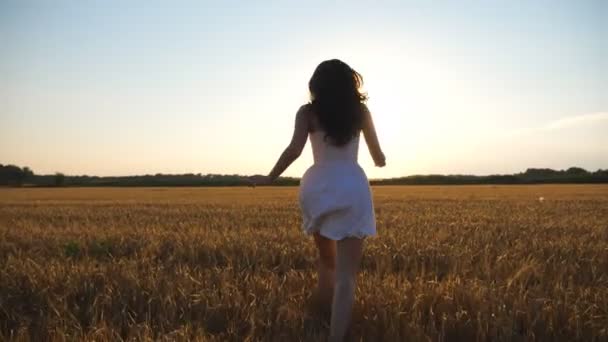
(337, 100)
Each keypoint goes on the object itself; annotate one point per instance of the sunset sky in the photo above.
(136, 87)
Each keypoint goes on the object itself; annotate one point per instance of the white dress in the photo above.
(335, 196)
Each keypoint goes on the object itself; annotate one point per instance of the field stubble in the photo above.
(449, 263)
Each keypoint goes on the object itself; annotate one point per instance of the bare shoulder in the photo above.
(305, 114)
(304, 110)
(365, 109)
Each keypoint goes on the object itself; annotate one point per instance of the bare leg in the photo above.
(349, 255)
(326, 267)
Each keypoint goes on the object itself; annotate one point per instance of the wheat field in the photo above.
(450, 263)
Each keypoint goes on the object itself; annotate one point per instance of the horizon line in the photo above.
(199, 174)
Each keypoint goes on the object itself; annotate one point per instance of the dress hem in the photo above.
(337, 237)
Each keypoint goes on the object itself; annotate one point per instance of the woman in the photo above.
(335, 197)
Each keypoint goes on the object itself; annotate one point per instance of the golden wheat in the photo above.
(450, 263)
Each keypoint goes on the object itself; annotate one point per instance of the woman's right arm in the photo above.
(371, 138)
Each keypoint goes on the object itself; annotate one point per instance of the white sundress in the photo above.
(335, 196)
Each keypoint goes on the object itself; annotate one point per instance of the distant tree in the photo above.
(59, 179)
(27, 175)
(576, 171)
(28, 172)
(540, 172)
(13, 175)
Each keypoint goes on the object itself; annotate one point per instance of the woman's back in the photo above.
(323, 151)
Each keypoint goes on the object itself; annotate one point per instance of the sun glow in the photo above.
(403, 99)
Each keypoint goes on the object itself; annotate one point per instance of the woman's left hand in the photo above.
(259, 180)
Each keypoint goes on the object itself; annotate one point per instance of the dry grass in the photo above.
(450, 263)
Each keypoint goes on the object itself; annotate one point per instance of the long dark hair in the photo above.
(336, 98)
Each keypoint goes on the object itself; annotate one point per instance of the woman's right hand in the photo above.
(381, 160)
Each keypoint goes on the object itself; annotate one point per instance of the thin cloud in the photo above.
(577, 120)
(596, 118)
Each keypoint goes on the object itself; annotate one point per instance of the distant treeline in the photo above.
(531, 176)
(15, 176)
(11, 175)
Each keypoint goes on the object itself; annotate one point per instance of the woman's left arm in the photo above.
(293, 150)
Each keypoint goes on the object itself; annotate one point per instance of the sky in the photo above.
(455, 87)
